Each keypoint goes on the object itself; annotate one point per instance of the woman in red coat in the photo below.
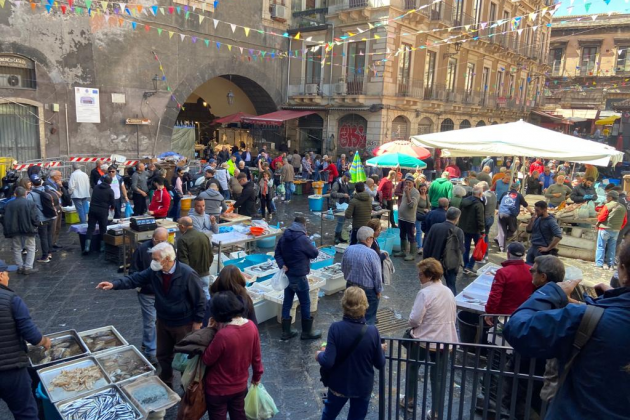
(161, 200)
(386, 192)
(333, 173)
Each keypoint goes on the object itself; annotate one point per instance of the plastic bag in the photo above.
(280, 190)
(189, 372)
(128, 211)
(180, 361)
(258, 403)
(292, 187)
(480, 249)
(279, 281)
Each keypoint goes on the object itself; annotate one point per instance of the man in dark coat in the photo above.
(472, 222)
(194, 249)
(294, 253)
(21, 220)
(179, 301)
(436, 241)
(435, 216)
(17, 327)
(246, 203)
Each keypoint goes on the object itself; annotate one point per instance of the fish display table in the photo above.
(133, 237)
(474, 296)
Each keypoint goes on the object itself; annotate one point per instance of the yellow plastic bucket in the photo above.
(186, 204)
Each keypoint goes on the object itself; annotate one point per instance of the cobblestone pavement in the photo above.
(63, 296)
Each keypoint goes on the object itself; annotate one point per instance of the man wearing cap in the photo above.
(17, 327)
(79, 188)
(407, 219)
(512, 283)
(21, 220)
(545, 233)
(611, 219)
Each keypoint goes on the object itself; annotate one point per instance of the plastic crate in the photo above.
(71, 217)
(50, 412)
(323, 263)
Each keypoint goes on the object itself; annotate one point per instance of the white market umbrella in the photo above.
(519, 139)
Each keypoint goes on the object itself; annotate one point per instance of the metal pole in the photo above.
(67, 131)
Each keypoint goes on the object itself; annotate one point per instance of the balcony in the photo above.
(310, 19)
(342, 5)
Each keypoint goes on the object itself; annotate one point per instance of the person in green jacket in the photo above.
(194, 250)
(359, 210)
(441, 187)
(558, 192)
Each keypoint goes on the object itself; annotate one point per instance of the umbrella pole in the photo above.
(512, 172)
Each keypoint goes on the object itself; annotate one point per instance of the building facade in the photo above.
(395, 68)
(589, 64)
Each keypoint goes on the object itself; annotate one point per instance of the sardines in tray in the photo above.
(124, 363)
(330, 271)
(106, 404)
(102, 339)
(65, 346)
(72, 379)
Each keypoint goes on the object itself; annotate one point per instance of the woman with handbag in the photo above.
(235, 347)
(424, 207)
(347, 362)
(432, 319)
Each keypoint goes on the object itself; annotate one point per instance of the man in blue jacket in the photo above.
(294, 253)
(179, 301)
(545, 327)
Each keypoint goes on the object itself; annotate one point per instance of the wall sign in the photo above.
(88, 105)
(12, 61)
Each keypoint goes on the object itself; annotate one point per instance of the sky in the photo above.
(596, 7)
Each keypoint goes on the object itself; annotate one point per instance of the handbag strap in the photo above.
(352, 348)
(587, 326)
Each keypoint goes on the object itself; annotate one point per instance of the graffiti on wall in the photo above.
(352, 135)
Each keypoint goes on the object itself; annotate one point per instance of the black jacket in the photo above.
(95, 176)
(16, 326)
(246, 203)
(102, 197)
(472, 219)
(295, 250)
(20, 218)
(580, 191)
(183, 303)
(433, 244)
(140, 261)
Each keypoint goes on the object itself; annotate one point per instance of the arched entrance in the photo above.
(447, 125)
(400, 128)
(425, 126)
(352, 132)
(464, 124)
(311, 132)
(480, 124)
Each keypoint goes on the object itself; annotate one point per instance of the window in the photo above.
(451, 73)
(404, 64)
(458, 12)
(500, 79)
(356, 65)
(555, 61)
(17, 72)
(477, 10)
(510, 87)
(447, 125)
(623, 62)
(436, 10)
(400, 128)
(485, 80)
(429, 74)
(588, 61)
(492, 18)
(470, 78)
(506, 37)
(313, 67)
(464, 124)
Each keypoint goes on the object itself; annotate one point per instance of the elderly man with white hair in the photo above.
(179, 301)
(79, 189)
(361, 267)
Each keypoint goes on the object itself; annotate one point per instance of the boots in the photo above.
(102, 246)
(337, 237)
(287, 332)
(403, 249)
(412, 252)
(86, 248)
(307, 330)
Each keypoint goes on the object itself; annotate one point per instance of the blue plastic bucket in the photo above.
(266, 243)
(50, 412)
(315, 203)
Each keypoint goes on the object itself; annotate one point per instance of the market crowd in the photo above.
(443, 213)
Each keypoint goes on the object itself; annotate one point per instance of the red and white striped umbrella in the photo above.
(403, 147)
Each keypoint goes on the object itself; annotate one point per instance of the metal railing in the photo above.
(458, 381)
(338, 5)
(354, 84)
(309, 18)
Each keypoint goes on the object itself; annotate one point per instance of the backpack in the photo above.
(452, 254)
(48, 203)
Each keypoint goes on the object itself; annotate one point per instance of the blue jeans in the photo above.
(15, 390)
(287, 190)
(298, 285)
(451, 278)
(174, 212)
(340, 221)
(147, 306)
(418, 234)
(83, 207)
(205, 283)
(606, 246)
(370, 313)
(489, 223)
(468, 237)
(226, 194)
(334, 404)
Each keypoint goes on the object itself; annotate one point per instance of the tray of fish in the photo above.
(65, 346)
(330, 272)
(315, 282)
(103, 339)
(322, 256)
(150, 394)
(124, 363)
(263, 270)
(109, 403)
(72, 379)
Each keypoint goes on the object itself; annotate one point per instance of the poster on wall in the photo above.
(87, 104)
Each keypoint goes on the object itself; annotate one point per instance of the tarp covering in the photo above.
(276, 118)
(183, 141)
(608, 120)
(233, 118)
(587, 114)
(519, 139)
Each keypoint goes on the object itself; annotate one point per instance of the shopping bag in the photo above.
(280, 190)
(292, 187)
(279, 281)
(258, 403)
(128, 211)
(180, 361)
(480, 249)
(189, 372)
(193, 404)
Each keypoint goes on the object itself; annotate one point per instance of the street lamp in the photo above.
(147, 95)
(458, 47)
(230, 97)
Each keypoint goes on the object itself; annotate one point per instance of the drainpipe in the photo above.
(288, 75)
(67, 131)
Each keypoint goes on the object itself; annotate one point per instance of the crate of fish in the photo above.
(108, 403)
(103, 339)
(72, 379)
(150, 394)
(315, 282)
(330, 272)
(323, 259)
(124, 363)
(65, 346)
(260, 271)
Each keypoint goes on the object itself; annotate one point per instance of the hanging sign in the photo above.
(88, 105)
(137, 121)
